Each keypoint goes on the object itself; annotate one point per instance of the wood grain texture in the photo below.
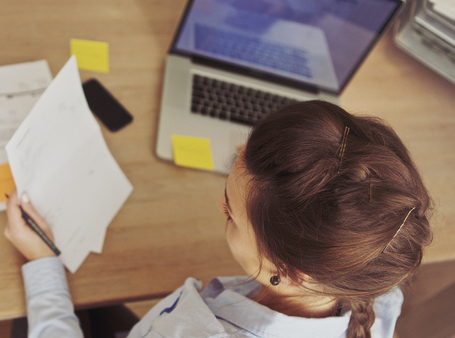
(169, 228)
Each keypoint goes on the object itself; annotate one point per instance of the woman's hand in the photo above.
(21, 235)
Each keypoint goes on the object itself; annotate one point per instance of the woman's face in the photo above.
(239, 232)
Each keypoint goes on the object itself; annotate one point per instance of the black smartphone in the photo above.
(105, 106)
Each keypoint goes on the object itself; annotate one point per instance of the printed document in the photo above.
(59, 157)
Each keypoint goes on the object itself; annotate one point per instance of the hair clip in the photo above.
(342, 146)
(399, 229)
(370, 193)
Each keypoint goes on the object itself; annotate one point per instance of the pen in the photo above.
(32, 224)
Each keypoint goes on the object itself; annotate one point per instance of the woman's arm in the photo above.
(50, 311)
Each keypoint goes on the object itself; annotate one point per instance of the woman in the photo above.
(326, 213)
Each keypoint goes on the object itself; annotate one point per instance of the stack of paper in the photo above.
(444, 8)
(427, 32)
(59, 157)
(21, 85)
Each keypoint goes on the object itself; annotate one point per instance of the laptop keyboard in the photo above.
(227, 101)
(250, 49)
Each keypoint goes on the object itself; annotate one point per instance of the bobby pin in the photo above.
(405, 219)
(369, 189)
(342, 146)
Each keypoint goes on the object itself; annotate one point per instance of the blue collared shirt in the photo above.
(223, 309)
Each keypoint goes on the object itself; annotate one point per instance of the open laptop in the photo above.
(234, 61)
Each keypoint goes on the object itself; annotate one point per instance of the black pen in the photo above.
(32, 224)
(40, 232)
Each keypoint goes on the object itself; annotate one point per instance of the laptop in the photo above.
(232, 62)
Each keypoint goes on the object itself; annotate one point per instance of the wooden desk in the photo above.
(169, 228)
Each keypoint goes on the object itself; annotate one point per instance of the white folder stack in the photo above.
(428, 34)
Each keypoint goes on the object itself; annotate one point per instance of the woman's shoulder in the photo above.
(387, 309)
(187, 309)
(393, 299)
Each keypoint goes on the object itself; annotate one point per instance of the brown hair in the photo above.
(330, 217)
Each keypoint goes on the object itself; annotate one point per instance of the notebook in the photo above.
(232, 62)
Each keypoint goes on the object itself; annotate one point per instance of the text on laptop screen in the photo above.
(317, 42)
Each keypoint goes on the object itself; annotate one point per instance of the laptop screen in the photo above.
(316, 42)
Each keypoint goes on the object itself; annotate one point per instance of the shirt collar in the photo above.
(259, 320)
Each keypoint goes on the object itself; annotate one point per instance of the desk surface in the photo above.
(169, 228)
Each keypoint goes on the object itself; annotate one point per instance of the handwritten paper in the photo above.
(59, 157)
(91, 55)
(21, 85)
(193, 152)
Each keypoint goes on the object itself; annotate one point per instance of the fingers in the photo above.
(31, 211)
(21, 235)
(15, 222)
(12, 210)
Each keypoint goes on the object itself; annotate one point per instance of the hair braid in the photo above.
(362, 318)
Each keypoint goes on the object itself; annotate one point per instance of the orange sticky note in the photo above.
(193, 152)
(91, 55)
(7, 184)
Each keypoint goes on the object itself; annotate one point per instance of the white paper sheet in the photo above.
(21, 85)
(59, 157)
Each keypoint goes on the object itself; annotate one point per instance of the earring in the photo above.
(274, 280)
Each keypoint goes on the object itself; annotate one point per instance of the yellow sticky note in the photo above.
(7, 184)
(91, 55)
(193, 152)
